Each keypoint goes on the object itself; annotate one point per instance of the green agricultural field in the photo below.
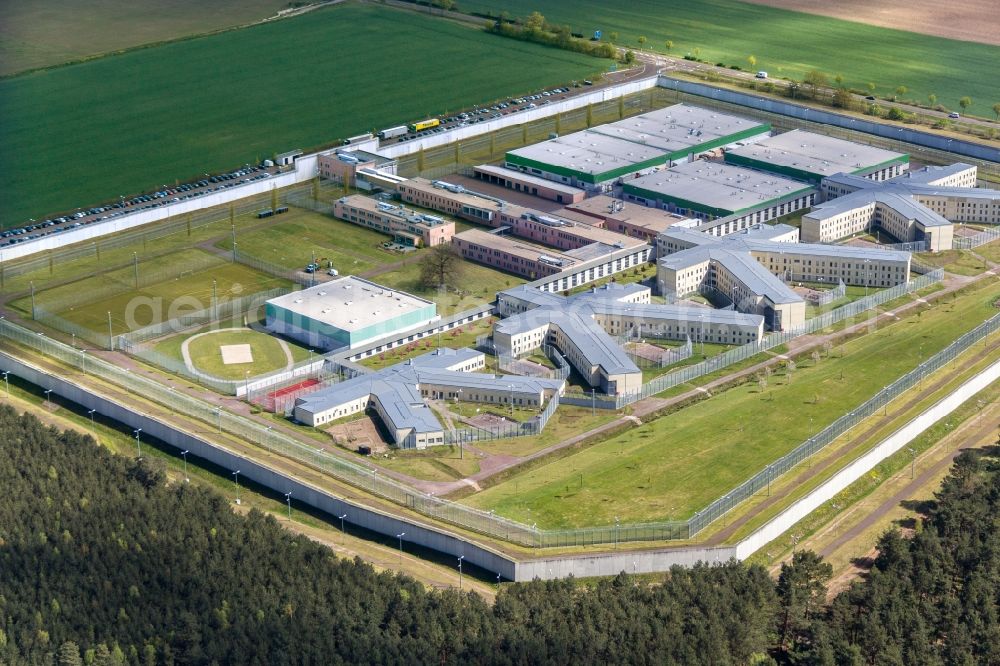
(785, 43)
(121, 124)
(41, 33)
(184, 284)
(675, 465)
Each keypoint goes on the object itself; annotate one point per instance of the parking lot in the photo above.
(498, 110)
(124, 206)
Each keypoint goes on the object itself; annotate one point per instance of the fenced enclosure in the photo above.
(457, 514)
(982, 238)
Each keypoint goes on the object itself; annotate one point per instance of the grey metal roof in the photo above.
(397, 388)
(816, 153)
(896, 197)
(719, 185)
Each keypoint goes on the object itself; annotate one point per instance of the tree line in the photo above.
(103, 562)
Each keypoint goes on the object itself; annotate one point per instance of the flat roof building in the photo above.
(528, 184)
(397, 394)
(709, 190)
(595, 158)
(623, 217)
(407, 227)
(511, 254)
(346, 312)
(812, 157)
(342, 166)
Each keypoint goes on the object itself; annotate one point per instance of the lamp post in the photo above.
(400, 537)
(460, 571)
(511, 387)
(236, 482)
(91, 414)
(83, 360)
(138, 446)
(617, 528)
(47, 392)
(593, 401)
(218, 416)
(913, 460)
(6, 382)
(184, 454)
(288, 500)
(342, 530)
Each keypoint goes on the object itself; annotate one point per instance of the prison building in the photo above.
(596, 159)
(922, 205)
(406, 227)
(708, 190)
(451, 199)
(559, 232)
(751, 270)
(586, 327)
(519, 181)
(396, 395)
(357, 168)
(511, 254)
(812, 157)
(623, 217)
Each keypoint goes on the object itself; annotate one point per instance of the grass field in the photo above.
(40, 33)
(177, 291)
(960, 262)
(675, 465)
(178, 110)
(268, 351)
(786, 43)
(302, 235)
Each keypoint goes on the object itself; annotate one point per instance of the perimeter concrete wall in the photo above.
(541, 111)
(802, 508)
(302, 492)
(605, 563)
(904, 134)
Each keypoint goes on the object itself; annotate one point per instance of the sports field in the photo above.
(39, 33)
(676, 465)
(117, 125)
(786, 43)
(170, 285)
(204, 352)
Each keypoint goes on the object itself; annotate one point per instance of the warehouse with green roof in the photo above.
(594, 159)
(813, 157)
(708, 190)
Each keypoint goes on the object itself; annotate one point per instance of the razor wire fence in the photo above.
(457, 514)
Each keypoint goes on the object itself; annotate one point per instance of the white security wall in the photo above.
(542, 111)
(865, 463)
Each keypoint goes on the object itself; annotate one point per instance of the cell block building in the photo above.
(588, 328)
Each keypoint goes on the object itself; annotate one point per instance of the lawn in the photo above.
(178, 289)
(28, 27)
(479, 285)
(785, 43)
(675, 465)
(131, 122)
(960, 262)
(302, 235)
(268, 354)
(452, 339)
(991, 251)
